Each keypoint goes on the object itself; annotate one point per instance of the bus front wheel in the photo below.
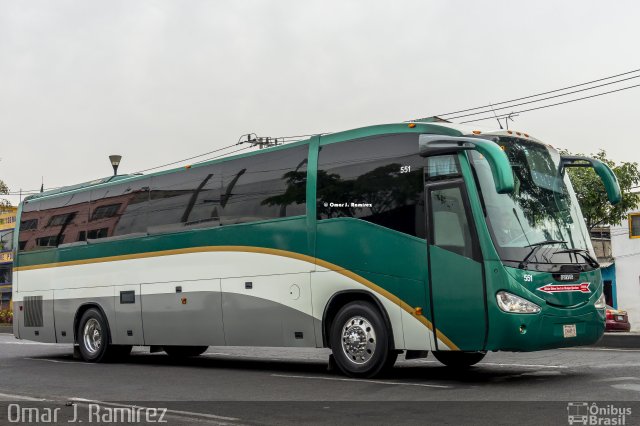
(456, 359)
(360, 340)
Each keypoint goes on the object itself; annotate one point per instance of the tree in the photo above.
(592, 196)
(4, 190)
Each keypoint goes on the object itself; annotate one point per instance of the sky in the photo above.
(158, 81)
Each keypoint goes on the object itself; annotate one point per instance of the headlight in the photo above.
(601, 302)
(514, 304)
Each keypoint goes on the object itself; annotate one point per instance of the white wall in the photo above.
(626, 253)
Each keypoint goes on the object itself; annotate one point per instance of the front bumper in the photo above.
(523, 333)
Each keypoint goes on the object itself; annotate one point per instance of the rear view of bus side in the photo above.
(408, 237)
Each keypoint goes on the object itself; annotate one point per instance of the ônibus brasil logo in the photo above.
(565, 288)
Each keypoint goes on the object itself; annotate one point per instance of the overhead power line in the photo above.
(539, 94)
(492, 117)
(284, 139)
(186, 159)
(542, 99)
(225, 154)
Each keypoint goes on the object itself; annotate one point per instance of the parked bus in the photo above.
(409, 237)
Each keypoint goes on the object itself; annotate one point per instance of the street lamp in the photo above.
(115, 162)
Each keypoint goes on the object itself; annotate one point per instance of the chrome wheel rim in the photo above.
(92, 335)
(358, 340)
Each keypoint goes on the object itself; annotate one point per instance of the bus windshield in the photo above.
(542, 210)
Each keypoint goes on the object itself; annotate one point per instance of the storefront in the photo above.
(7, 225)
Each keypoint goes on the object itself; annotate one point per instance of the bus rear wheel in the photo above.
(184, 351)
(456, 359)
(360, 340)
(93, 339)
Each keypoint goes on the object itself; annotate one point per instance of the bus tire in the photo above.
(93, 337)
(360, 340)
(184, 351)
(456, 359)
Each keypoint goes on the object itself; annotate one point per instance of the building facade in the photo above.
(7, 226)
(625, 248)
(601, 241)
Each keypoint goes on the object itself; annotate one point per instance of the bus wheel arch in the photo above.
(80, 312)
(342, 298)
(360, 340)
(92, 335)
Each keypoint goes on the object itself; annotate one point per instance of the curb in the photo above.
(619, 341)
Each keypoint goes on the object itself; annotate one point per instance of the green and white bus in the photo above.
(408, 237)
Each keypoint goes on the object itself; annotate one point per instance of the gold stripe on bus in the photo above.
(250, 249)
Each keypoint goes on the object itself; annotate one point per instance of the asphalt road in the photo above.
(231, 385)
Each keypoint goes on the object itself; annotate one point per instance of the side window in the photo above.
(264, 186)
(118, 210)
(185, 199)
(6, 240)
(5, 274)
(53, 221)
(28, 225)
(378, 179)
(449, 219)
(634, 225)
(442, 167)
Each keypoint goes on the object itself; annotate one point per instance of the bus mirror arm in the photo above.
(431, 145)
(605, 173)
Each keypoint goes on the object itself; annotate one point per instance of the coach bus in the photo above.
(389, 239)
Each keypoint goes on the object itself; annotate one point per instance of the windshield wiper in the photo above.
(585, 255)
(535, 247)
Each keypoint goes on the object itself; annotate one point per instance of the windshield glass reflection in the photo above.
(542, 208)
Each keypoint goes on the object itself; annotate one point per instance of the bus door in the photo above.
(458, 303)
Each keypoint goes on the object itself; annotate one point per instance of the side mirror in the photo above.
(431, 145)
(607, 176)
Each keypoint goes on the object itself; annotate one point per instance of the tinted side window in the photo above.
(120, 209)
(378, 179)
(29, 224)
(6, 240)
(264, 186)
(51, 222)
(5, 274)
(186, 199)
(450, 227)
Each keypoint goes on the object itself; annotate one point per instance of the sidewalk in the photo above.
(619, 341)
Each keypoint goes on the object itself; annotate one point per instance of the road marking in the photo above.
(379, 382)
(618, 379)
(498, 364)
(12, 397)
(35, 343)
(174, 412)
(617, 365)
(59, 361)
(522, 365)
(542, 373)
(627, 386)
(601, 349)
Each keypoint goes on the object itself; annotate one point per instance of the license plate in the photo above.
(619, 318)
(569, 330)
